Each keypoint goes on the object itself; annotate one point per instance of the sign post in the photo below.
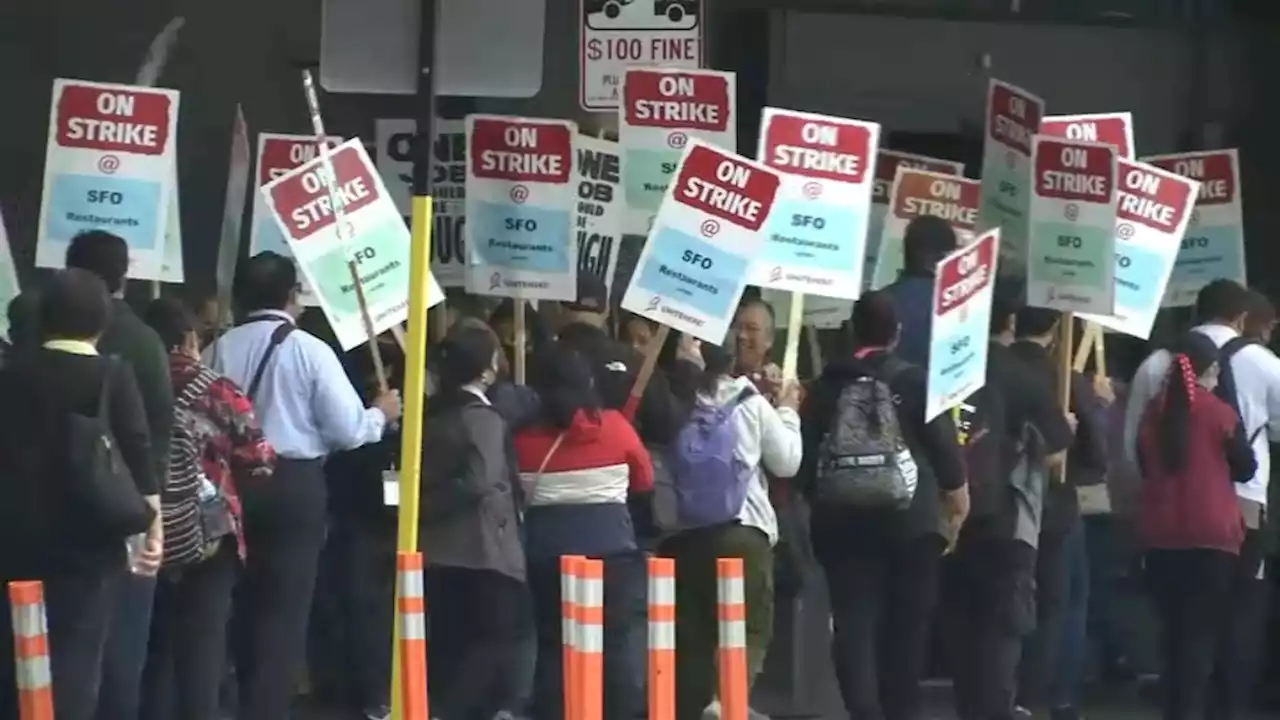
(1214, 244)
(9, 288)
(1153, 210)
(916, 193)
(816, 237)
(1071, 258)
(232, 215)
(1013, 116)
(694, 266)
(662, 111)
(109, 165)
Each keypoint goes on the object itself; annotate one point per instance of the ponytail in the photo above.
(1175, 417)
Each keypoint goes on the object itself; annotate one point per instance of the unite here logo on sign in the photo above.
(962, 290)
(520, 208)
(1115, 129)
(694, 266)
(663, 110)
(1153, 208)
(1214, 245)
(109, 165)
(1073, 219)
(814, 243)
(916, 193)
(1013, 116)
(618, 34)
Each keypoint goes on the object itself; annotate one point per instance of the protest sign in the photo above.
(962, 291)
(9, 288)
(694, 266)
(395, 139)
(887, 164)
(916, 193)
(233, 211)
(600, 211)
(374, 236)
(814, 241)
(1013, 116)
(618, 34)
(1153, 208)
(1214, 244)
(277, 155)
(520, 208)
(1115, 129)
(661, 111)
(109, 165)
(1071, 259)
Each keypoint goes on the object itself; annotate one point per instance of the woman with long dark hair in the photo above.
(1191, 449)
(475, 576)
(578, 464)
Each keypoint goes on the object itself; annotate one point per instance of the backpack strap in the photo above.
(1233, 346)
(104, 391)
(277, 337)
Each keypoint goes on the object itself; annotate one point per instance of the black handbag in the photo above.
(101, 487)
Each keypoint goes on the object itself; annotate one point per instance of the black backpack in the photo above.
(195, 519)
(1226, 389)
(987, 448)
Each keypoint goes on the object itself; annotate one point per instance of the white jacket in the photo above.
(768, 437)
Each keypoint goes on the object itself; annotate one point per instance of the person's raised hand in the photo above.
(388, 403)
(790, 394)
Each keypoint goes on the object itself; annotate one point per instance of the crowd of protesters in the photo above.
(206, 506)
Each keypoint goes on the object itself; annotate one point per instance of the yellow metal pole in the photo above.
(415, 400)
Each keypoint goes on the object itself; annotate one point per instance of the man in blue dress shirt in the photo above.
(308, 409)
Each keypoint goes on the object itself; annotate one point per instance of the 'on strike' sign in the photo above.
(373, 235)
(962, 291)
(109, 165)
(693, 269)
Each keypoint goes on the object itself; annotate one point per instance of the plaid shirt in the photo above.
(236, 454)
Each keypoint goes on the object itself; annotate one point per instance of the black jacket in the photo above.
(933, 445)
(616, 365)
(1087, 453)
(37, 389)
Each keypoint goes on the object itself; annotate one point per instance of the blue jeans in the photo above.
(125, 655)
(1064, 690)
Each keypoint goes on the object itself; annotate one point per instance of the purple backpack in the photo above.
(710, 483)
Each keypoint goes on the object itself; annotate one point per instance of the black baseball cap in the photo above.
(593, 295)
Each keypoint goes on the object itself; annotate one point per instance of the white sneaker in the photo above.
(712, 712)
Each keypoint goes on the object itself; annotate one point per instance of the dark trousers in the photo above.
(284, 535)
(1239, 654)
(882, 596)
(989, 608)
(354, 613)
(1192, 594)
(624, 599)
(125, 654)
(476, 620)
(78, 609)
(1052, 658)
(188, 645)
(697, 630)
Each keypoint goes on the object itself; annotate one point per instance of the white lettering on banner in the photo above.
(1063, 182)
(677, 111)
(1138, 180)
(319, 208)
(1189, 168)
(722, 198)
(1012, 131)
(1017, 107)
(945, 190)
(299, 153)
(975, 274)
(1214, 189)
(518, 163)
(522, 137)
(1075, 158)
(816, 160)
(1082, 131)
(816, 134)
(112, 131)
(949, 211)
(1147, 208)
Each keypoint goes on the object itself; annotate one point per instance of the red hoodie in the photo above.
(579, 503)
(1195, 508)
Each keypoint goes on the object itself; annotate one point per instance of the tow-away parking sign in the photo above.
(617, 34)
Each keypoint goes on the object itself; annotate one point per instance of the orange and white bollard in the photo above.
(591, 639)
(570, 570)
(31, 650)
(412, 606)
(732, 612)
(662, 638)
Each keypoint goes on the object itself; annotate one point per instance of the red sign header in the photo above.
(819, 148)
(1150, 198)
(520, 150)
(723, 185)
(303, 199)
(676, 100)
(113, 119)
(964, 275)
(1214, 170)
(1068, 170)
(1013, 116)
